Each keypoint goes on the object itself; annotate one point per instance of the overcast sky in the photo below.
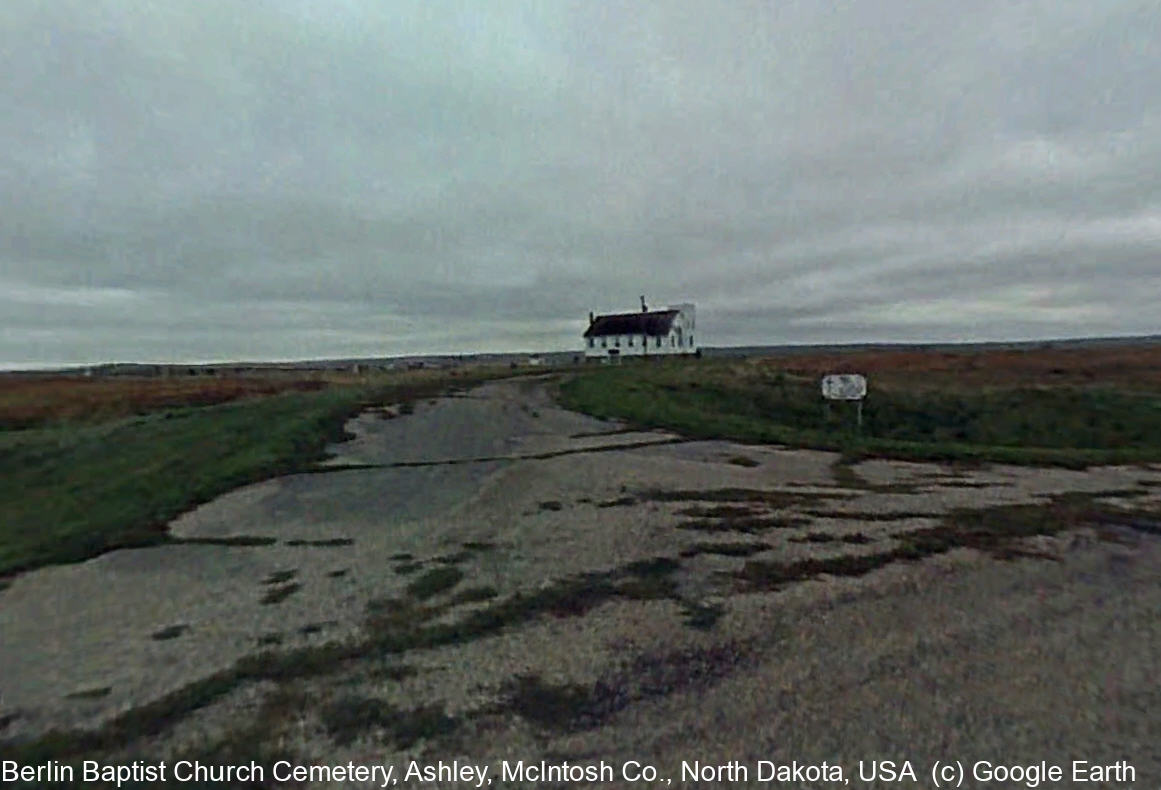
(278, 179)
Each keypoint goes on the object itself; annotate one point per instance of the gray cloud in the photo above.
(217, 180)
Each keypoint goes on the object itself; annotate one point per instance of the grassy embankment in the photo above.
(910, 412)
(90, 466)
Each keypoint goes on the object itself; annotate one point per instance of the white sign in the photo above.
(845, 386)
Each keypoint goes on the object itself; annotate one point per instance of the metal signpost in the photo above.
(845, 386)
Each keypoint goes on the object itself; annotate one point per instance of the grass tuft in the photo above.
(743, 460)
(726, 549)
(93, 693)
(435, 581)
(279, 593)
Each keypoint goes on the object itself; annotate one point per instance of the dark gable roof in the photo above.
(655, 322)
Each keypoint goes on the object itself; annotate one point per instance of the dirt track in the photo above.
(657, 646)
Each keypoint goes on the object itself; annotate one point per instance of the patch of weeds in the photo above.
(654, 566)
(403, 555)
(376, 605)
(651, 676)
(434, 582)
(280, 577)
(395, 625)
(719, 511)
(614, 432)
(726, 549)
(845, 476)
(551, 505)
(562, 707)
(999, 531)
(759, 575)
(280, 593)
(93, 693)
(746, 524)
(890, 515)
(702, 616)
(1120, 493)
(284, 666)
(315, 628)
(743, 460)
(647, 588)
(624, 501)
(454, 559)
(478, 545)
(814, 537)
(235, 540)
(322, 544)
(855, 538)
(408, 567)
(170, 632)
(396, 672)
(649, 580)
(566, 707)
(1149, 523)
(777, 499)
(349, 717)
(338, 573)
(473, 595)
(570, 597)
(270, 639)
(567, 598)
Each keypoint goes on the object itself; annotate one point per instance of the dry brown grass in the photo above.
(27, 401)
(1135, 367)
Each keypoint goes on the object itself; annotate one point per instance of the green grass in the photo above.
(72, 491)
(1068, 426)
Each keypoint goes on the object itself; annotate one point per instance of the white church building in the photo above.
(642, 334)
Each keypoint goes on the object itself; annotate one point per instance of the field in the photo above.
(1059, 407)
(1130, 367)
(490, 575)
(37, 401)
(90, 465)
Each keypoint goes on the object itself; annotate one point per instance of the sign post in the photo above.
(845, 386)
